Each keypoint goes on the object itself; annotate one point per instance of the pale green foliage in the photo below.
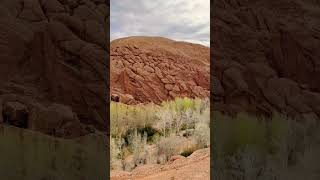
(184, 104)
(137, 145)
(124, 117)
(170, 119)
(202, 130)
(165, 119)
(115, 153)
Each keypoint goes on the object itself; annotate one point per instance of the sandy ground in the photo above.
(194, 167)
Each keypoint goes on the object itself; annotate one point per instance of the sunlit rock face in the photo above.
(155, 69)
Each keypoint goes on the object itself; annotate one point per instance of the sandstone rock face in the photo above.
(265, 57)
(154, 69)
(55, 52)
(55, 119)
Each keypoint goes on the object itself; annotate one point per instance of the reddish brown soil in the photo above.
(194, 167)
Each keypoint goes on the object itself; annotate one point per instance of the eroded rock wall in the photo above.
(155, 69)
(55, 52)
(265, 56)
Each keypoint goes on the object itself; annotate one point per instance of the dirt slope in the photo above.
(194, 167)
(154, 69)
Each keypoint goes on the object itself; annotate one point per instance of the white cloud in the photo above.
(183, 20)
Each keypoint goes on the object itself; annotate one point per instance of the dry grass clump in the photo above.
(148, 134)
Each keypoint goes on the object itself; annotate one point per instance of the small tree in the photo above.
(165, 120)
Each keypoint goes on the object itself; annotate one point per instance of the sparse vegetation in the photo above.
(247, 147)
(40, 156)
(147, 134)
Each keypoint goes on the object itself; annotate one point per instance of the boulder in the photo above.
(115, 98)
(16, 114)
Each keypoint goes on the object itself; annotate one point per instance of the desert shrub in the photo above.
(167, 147)
(115, 153)
(182, 104)
(186, 120)
(152, 133)
(125, 117)
(202, 129)
(182, 113)
(178, 114)
(202, 135)
(137, 146)
(165, 120)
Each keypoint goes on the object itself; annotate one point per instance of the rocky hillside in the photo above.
(53, 78)
(154, 69)
(53, 73)
(266, 56)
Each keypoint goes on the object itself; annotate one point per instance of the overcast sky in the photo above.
(182, 20)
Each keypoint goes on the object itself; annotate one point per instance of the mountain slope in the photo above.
(154, 69)
(52, 52)
(265, 57)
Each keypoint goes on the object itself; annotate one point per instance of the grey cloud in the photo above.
(183, 20)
